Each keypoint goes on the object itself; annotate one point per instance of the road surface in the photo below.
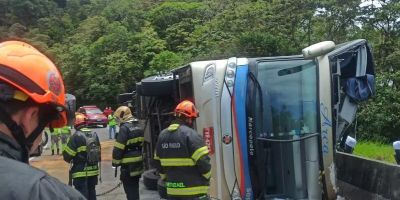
(57, 167)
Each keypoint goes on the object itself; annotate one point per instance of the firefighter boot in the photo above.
(58, 151)
(52, 152)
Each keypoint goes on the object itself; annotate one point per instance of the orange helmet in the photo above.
(187, 109)
(80, 120)
(34, 76)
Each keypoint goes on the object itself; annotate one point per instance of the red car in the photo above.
(94, 116)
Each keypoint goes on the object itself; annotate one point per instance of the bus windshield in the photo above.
(285, 111)
(289, 95)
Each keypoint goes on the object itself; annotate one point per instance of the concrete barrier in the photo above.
(371, 175)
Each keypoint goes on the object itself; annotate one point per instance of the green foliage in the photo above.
(169, 13)
(379, 120)
(376, 151)
(163, 62)
(127, 12)
(258, 44)
(104, 46)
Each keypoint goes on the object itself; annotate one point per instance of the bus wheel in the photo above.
(150, 178)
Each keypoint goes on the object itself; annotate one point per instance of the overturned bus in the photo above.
(272, 124)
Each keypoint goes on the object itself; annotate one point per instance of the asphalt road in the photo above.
(57, 167)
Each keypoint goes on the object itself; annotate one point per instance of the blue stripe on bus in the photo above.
(240, 93)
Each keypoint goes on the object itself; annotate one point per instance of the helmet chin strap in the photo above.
(18, 133)
(35, 133)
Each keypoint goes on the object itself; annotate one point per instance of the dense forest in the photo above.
(104, 46)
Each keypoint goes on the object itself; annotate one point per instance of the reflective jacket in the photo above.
(21, 181)
(182, 160)
(56, 132)
(66, 130)
(127, 151)
(75, 151)
(111, 120)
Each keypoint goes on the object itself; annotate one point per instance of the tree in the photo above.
(163, 62)
(169, 13)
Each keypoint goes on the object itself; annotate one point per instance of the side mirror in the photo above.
(318, 49)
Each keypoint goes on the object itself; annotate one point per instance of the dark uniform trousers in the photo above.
(86, 186)
(131, 187)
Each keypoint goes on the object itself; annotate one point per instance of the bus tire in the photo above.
(150, 178)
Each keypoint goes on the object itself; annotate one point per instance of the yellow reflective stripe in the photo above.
(70, 151)
(166, 162)
(199, 153)
(188, 190)
(136, 173)
(132, 159)
(173, 127)
(135, 140)
(116, 161)
(81, 148)
(89, 168)
(207, 175)
(119, 145)
(85, 174)
(163, 176)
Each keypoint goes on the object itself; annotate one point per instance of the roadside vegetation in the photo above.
(375, 150)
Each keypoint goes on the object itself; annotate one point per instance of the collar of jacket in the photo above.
(10, 148)
(131, 120)
(85, 130)
(180, 122)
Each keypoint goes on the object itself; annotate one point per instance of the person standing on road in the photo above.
(182, 157)
(55, 141)
(107, 111)
(127, 152)
(31, 98)
(112, 126)
(83, 151)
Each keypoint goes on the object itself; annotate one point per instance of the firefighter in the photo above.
(83, 152)
(31, 97)
(55, 141)
(182, 157)
(127, 152)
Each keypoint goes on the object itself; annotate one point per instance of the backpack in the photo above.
(93, 150)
